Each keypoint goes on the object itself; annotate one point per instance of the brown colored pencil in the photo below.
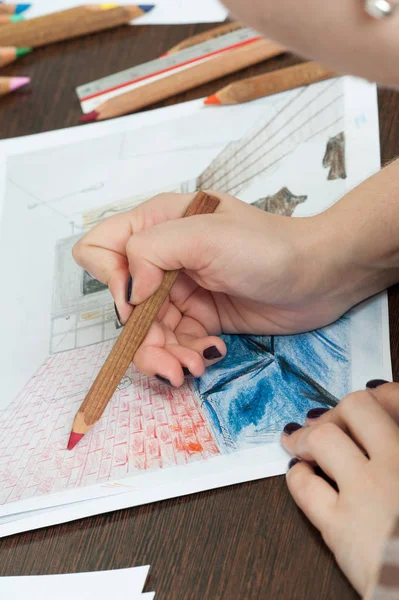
(218, 66)
(9, 54)
(270, 83)
(10, 84)
(68, 24)
(129, 341)
(204, 37)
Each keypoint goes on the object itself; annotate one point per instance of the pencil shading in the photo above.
(283, 203)
(334, 157)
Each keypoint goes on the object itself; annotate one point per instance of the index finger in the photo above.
(103, 249)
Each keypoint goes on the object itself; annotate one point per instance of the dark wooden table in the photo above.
(245, 542)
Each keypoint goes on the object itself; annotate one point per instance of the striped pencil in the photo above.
(10, 84)
(10, 19)
(228, 62)
(9, 54)
(68, 24)
(13, 9)
(270, 83)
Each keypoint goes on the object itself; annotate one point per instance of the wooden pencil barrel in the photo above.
(7, 56)
(274, 82)
(63, 25)
(4, 85)
(211, 69)
(132, 337)
(204, 37)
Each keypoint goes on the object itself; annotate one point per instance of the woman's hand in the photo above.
(356, 445)
(243, 271)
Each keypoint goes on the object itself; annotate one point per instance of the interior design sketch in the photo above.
(245, 400)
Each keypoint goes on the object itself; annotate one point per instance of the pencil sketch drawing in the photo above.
(334, 157)
(246, 399)
(283, 203)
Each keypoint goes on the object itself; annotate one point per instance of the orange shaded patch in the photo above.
(193, 447)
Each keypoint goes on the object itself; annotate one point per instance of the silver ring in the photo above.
(380, 9)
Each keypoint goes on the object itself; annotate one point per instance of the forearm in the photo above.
(359, 237)
(339, 34)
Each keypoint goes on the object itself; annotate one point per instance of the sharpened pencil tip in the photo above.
(146, 7)
(20, 8)
(90, 117)
(17, 82)
(213, 99)
(74, 438)
(23, 52)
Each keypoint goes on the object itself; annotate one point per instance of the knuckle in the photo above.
(162, 196)
(78, 252)
(317, 435)
(352, 401)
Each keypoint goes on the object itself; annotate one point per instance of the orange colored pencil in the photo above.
(260, 86)
(68, 24)
(181, 81)
(129, 341)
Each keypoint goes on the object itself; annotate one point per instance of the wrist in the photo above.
(349, 257)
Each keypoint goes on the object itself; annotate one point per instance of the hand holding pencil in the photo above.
(130, 340)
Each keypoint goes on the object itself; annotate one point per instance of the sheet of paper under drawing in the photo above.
(293, 154)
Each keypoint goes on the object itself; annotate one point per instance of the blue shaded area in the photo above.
(266, 381)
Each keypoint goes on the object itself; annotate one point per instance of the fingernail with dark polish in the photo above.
(211, 353)
(117, 314)
(315, 413)
(291, 428)
(129, 289)
(294, 461)
(186, 372)
(163, 379)
(375, 383)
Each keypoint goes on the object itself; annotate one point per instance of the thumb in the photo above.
(186, 243)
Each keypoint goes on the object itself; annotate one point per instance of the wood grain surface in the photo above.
(245, 542)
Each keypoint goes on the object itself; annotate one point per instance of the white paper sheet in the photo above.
(100, 585)
(55, 184)
(166, 12)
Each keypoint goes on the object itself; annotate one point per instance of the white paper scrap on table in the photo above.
(101, 585)
(165, 12)
(154, 442)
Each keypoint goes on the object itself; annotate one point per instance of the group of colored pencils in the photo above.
(18, 36)
(12, 13)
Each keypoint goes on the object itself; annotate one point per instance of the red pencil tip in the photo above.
(74, 438)
(212, 100)
(90, 117)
